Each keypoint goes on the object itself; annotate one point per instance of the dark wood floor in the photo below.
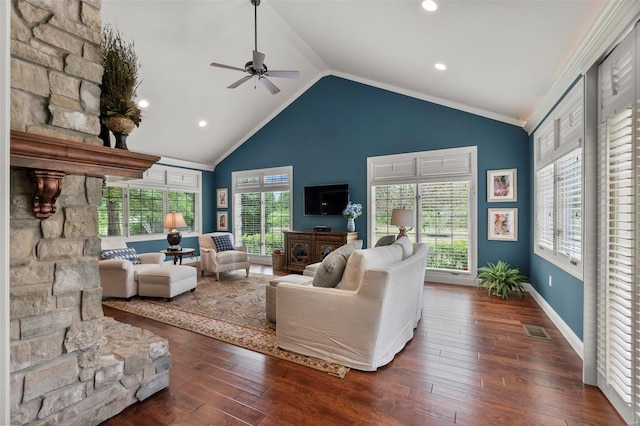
(469, 363)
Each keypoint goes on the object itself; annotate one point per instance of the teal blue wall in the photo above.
(328, 133)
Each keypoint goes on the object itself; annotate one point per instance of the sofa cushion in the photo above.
(121, 253)
(407, 247)
(222, 242)
(361, 260)
(330, 271)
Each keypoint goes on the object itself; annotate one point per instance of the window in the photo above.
(137, 208)
(558, 185)
(262, 210)
(439, 186)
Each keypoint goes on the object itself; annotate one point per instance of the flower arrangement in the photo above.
(352, 211)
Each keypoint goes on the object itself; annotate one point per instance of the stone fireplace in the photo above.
(68, 363)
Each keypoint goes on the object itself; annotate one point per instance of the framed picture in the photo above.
(223, 201)
(503, 224)
(502, 185)
(223, 221)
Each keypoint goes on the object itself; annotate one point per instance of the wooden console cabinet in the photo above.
(306, 247)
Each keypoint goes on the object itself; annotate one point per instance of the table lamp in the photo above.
(172, 221)
(403, 218)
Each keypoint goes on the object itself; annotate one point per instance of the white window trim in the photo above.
(146, 183)
(261, 186)
(410, 172)
(549, 131)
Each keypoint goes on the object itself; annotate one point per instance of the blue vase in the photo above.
(351, 225)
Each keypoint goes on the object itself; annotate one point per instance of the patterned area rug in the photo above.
(231, 310)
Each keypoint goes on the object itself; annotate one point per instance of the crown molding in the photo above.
(615, 21)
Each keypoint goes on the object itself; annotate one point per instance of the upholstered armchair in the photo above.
(218, 253)
(119, 275)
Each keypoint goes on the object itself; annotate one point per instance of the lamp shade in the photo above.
(174, 220)
(403, 217)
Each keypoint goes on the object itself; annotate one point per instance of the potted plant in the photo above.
(120, 80)
(501, 279)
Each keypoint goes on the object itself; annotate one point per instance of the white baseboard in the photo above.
(566, 331)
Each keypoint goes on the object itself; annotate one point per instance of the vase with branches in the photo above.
(120, 81)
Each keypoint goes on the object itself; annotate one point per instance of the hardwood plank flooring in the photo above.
(469, 363)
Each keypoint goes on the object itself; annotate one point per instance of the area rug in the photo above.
(231, 310)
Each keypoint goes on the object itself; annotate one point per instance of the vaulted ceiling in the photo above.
(503, 58)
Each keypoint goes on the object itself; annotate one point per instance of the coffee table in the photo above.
(177, 254)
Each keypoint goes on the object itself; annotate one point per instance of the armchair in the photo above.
(119, 277)
(217, 261)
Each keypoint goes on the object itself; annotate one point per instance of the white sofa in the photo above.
(224, 261)
(119, 277)
(367, 320)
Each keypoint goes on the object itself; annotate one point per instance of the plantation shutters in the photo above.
(440, 186)
(558, 145)
(445, 206)
(618, 230)
(544, 207)
(569, 186)
(262, 209)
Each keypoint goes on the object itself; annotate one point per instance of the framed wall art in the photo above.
(503, 224)
(223, 201)
(502, 185)
(223, 221)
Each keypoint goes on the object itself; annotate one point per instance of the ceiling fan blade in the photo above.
(239, 82)
(269, 85)
(284, 74)
(213, 64)
(258, 59)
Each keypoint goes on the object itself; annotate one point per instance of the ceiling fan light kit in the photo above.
(256, 67)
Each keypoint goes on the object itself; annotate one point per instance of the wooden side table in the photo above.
(177, 254)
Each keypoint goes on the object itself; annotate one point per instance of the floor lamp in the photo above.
(403, 218)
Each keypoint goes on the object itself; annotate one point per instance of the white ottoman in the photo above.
(272, 291)
(167, 281)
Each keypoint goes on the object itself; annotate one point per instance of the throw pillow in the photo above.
(407, 247)
(222, 242)
(123, 253)
(330, 271)
(385, 241)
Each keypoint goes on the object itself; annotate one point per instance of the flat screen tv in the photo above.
(325, 199)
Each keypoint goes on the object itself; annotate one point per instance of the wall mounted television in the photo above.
(326, 199)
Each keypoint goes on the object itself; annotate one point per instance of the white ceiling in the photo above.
(503, 58)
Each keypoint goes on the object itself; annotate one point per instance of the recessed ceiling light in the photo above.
(143, 103)
(441, 67)
(429, 5)
(202, 123)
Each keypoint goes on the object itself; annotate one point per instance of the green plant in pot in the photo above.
(120, 80)
(501, 279)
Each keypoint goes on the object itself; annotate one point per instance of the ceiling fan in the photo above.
(257, 67)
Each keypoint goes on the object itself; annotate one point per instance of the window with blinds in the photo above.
(137, 208)
(440, 186)
(559, 184)
(262, 209)
(444, 208)
(545, 194)
(569, 187)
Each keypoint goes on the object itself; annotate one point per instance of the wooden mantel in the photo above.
(50, 159)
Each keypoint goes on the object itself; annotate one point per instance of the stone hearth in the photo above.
(68, 363)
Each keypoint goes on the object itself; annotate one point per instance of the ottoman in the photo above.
(167, 281)
(271, 290)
